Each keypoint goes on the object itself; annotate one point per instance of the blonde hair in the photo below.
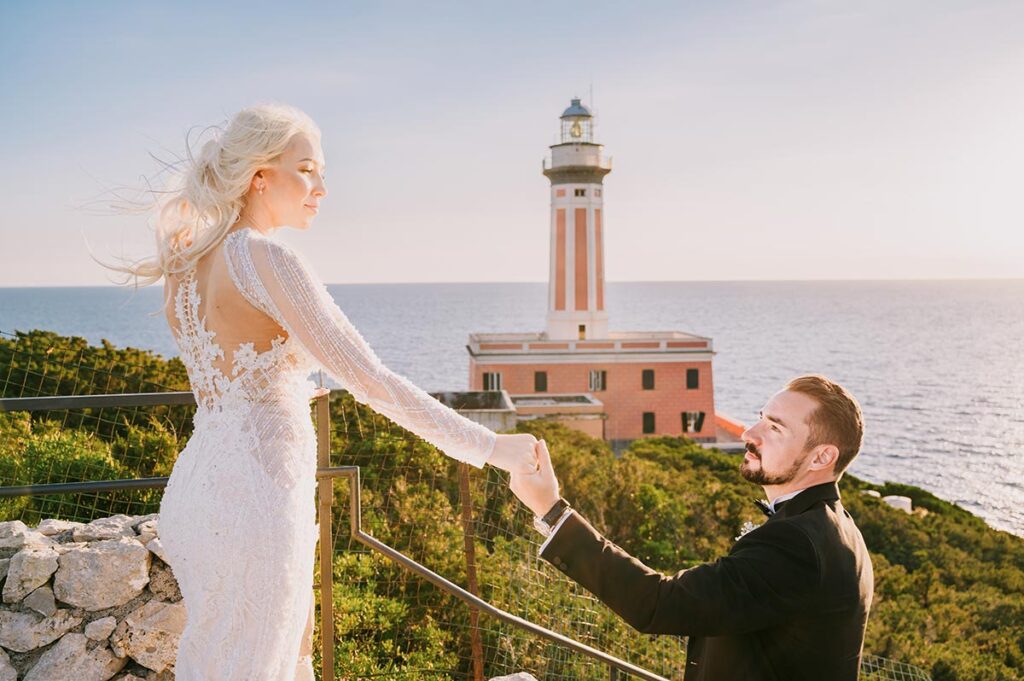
(208, 189)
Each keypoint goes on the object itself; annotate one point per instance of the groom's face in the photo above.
(776, 444)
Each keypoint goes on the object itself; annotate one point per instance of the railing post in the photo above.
(467, 536)
(325, 494)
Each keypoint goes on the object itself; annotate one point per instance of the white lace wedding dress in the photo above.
(237, 518)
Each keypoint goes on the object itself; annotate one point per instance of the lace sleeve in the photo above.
(279, 282)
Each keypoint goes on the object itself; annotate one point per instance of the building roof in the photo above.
(528, 336)
(549, 400)
(577, 110)
(475, 400)
(615, 347)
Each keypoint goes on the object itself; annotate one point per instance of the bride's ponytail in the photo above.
(207, 191)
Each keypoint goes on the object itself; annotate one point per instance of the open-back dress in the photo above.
(237, 519)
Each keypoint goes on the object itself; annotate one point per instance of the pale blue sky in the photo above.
(751, 140)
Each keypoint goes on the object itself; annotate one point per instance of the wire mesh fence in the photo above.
(874, 668)
(466, 525)
(63, 445)
(388, 623)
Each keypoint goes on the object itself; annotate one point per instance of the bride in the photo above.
(252, 321)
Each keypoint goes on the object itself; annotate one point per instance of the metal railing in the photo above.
(873, 667)
(326, 474)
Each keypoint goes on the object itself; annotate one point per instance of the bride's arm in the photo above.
(278, 281)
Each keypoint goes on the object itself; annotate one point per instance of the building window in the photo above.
(540, 381)
(580, 192)
(583, 331)
(693, 421)
(598, 380)
(648, 379)
(648, 422)
(597, 192)
(692, 379)
(492, 380)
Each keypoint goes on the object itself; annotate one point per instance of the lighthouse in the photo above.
(616, 385)
(576, 169)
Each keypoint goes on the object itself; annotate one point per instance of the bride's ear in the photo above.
(259, 182)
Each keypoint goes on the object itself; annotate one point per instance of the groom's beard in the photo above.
(755, 472)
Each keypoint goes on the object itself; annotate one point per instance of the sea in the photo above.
(938, 366)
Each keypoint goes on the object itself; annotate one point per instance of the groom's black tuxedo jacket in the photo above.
(789, 602)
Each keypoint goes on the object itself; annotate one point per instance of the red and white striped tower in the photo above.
(576, 304)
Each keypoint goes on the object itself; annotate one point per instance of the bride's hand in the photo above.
(515, 453)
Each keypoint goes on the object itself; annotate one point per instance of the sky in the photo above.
(819, 139)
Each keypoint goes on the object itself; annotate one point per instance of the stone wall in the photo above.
(87, 602)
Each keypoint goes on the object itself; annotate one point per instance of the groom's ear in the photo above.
(824, 457)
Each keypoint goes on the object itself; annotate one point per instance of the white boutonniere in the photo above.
(747, 526)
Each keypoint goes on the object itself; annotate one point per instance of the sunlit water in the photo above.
(937, 366)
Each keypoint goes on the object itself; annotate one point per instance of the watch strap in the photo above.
(552, 516)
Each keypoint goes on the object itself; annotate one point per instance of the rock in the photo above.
(70, 546)
(130, 677)
(872, 493)
(25, 631)
(41, 600)
(5, 564)
(141, 519)
(100, 629)
(29, 569)
(162, 583)
(16, 542)
(52, 526)
(157, 547)
(147, 530)
(118, 638)
(102, 574)
(150, 634)
(11, 528)
(71, 660)
(902, 503)
(110, 527)
(518, 676)
(7, 670)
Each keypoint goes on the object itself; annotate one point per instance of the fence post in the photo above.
(325, 493)
(471, 583)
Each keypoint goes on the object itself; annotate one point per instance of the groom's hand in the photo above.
(538, 491)
(515, 453)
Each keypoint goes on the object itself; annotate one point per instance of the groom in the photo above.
(790, 601)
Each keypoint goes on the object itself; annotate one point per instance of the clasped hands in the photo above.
(532, 478)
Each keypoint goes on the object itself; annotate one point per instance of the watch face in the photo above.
(576, 130)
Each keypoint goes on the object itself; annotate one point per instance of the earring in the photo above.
(261, 189)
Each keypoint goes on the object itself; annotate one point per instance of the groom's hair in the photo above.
(837, 420)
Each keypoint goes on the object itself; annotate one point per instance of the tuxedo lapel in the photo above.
(826, 492)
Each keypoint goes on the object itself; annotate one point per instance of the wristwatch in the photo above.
(547, 523)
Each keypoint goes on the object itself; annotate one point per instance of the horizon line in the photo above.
(617, 281)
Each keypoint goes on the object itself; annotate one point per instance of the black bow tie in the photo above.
(766, 507)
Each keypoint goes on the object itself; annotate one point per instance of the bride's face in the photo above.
(293, 185)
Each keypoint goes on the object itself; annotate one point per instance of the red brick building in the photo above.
(635, 383)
